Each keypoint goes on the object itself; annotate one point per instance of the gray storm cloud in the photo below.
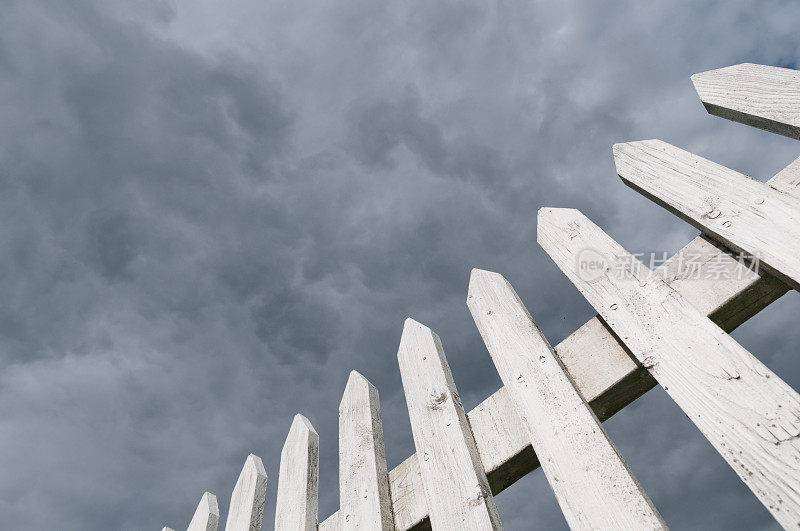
(210, 213)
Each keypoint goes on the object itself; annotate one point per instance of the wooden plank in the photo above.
(363, 478)
(206, 516)
(297, 501)
(767, 97)
(591, 481)
(788, 179)
(606, 375)
(452, 474)
(744, 214)
(744, 410)
(246, 510)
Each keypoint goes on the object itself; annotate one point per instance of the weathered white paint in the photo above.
(246, 510)
(296, 504)
(762, 96)
(452, 474)
(206, 516)
(592, 483)
(746, 215)
(364, 498)
(788, 179)
(744, 410)
(601, 368)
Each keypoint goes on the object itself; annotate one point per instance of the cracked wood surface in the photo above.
(749, 415)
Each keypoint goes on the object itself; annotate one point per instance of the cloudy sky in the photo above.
(210, 212)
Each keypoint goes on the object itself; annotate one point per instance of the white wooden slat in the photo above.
(167, 529)
(206, 516)
(788, 179)
(452, 474)
(297, 501)
(364, 497)
(602, 369)
(767, 97)
(746, 215)
(744, 410)
(246, 510)
(592, 483)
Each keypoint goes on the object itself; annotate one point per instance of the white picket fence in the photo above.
(667, 326)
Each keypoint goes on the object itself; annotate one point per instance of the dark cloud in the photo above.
(210, 214)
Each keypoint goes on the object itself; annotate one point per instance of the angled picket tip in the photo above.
(356, 386)
(551, 220)
(246, 510)
(298, 480)
(206, 516)
(480, 277)
(766, 97)
(167, 529)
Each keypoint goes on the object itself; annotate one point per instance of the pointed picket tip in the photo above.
(167, 529)
(357, 387)
(551, 217)
(414, 331)
(206, 516)
(481, 279)
(700, 80)
(247, 500)
(300, 426)
(254, 463)
(621, 149)
(760, 96)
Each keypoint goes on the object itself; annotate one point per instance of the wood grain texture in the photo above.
(246, 510)
(745, 411)
(606, 375)
(746, 215)
(452, 474)
(296, 505)
(206, 516)
(592, 483)
(767, 97)
(364, 498)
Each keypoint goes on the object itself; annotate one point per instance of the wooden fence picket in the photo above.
(744, 410)
(455, 483)
(296, 505)
(246, 510)
(364, 499)
(206, 516)
(746, 215)
(592, 483)
(767, 97)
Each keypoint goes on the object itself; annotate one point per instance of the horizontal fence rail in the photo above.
(667, 325)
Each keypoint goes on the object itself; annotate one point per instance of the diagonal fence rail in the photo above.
(667, 326)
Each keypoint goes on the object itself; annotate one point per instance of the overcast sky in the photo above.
(210, 212)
